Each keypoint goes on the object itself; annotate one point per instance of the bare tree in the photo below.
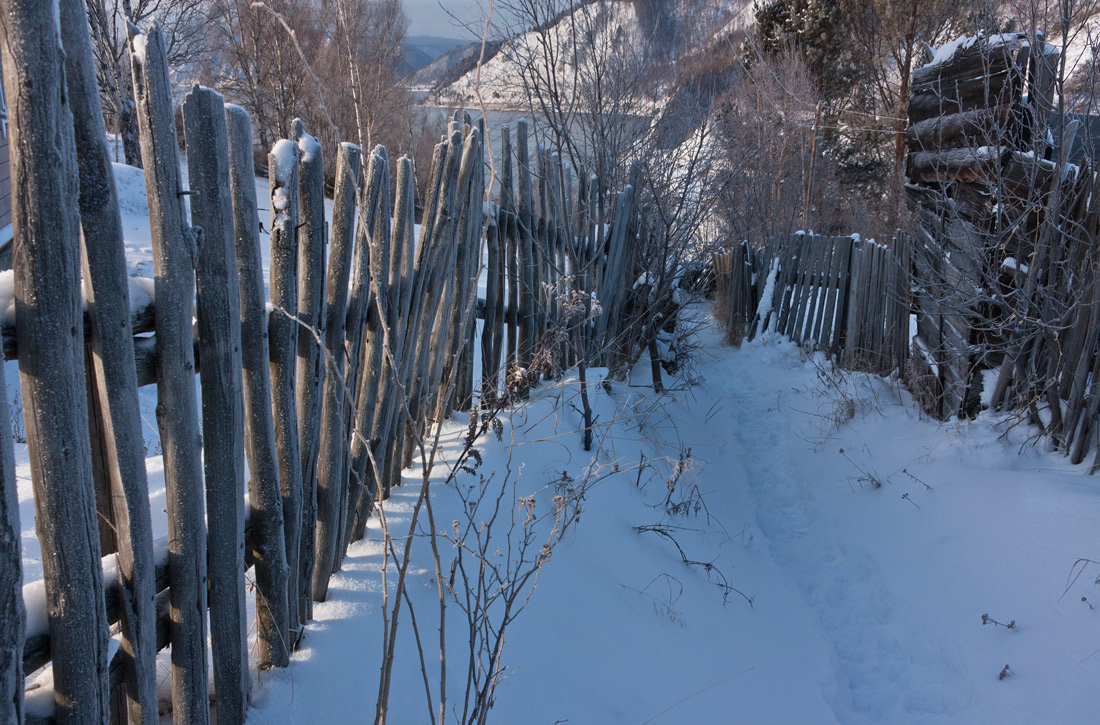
(184, 23)
(336, 64)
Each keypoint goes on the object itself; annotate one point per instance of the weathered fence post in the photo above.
(361, 482)
(528, 335)
(174, 250)
(404, 252)
(312, 318)
(12, 614)
(219, 335)
(114, 385)
(332, 494)
(265, 499)
(49, 333)
(331, 469)
(282, 164)
(508, 230)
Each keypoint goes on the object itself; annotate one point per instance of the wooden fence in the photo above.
(324, 386)
(843, 295)
(998, 268)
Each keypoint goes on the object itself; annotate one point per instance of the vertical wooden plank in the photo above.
(413, 354)
(394, 305)
(174, 251)
(445, 339)
(508, 230)
(404, 245)
(801, 293)
(219, 335)
(332, 494)
(13, 616)
(837, 311)
(490, 358)
(309, 372)
(527, 279)
(362, 481)
(114, 381)
(437, 286)
(265, 495)
(331, 470)
(45, 264)
(825, 290)
(282, 165)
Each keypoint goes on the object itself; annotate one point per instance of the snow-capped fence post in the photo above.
(174, 251)
(265, 498)
(219, 352)
(112, 380)
(331, 464)
(471, 226)
(282, 165)
(311, 320)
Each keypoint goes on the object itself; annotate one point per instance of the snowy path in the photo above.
(884, 670)
(867, 601)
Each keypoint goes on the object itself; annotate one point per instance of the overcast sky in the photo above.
(430, 17)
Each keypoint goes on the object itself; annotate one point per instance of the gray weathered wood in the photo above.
(174, 250)
(332, 494)
(114, 384)
(46, 264)
(404, 244)
(265, 499)
(12, 613)
(490, 354)
(527, 225)
(363, 479)
(311, 318)
(219, 328)
(283, 344)
(331, 469)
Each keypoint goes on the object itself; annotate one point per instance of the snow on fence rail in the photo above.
(324, 388)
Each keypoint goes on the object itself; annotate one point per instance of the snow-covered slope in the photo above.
(604, 29)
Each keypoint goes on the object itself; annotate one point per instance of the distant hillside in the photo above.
(422, 50)
(668, 29)
(452, 65)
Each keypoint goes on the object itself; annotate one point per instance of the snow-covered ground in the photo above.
(872, 542)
